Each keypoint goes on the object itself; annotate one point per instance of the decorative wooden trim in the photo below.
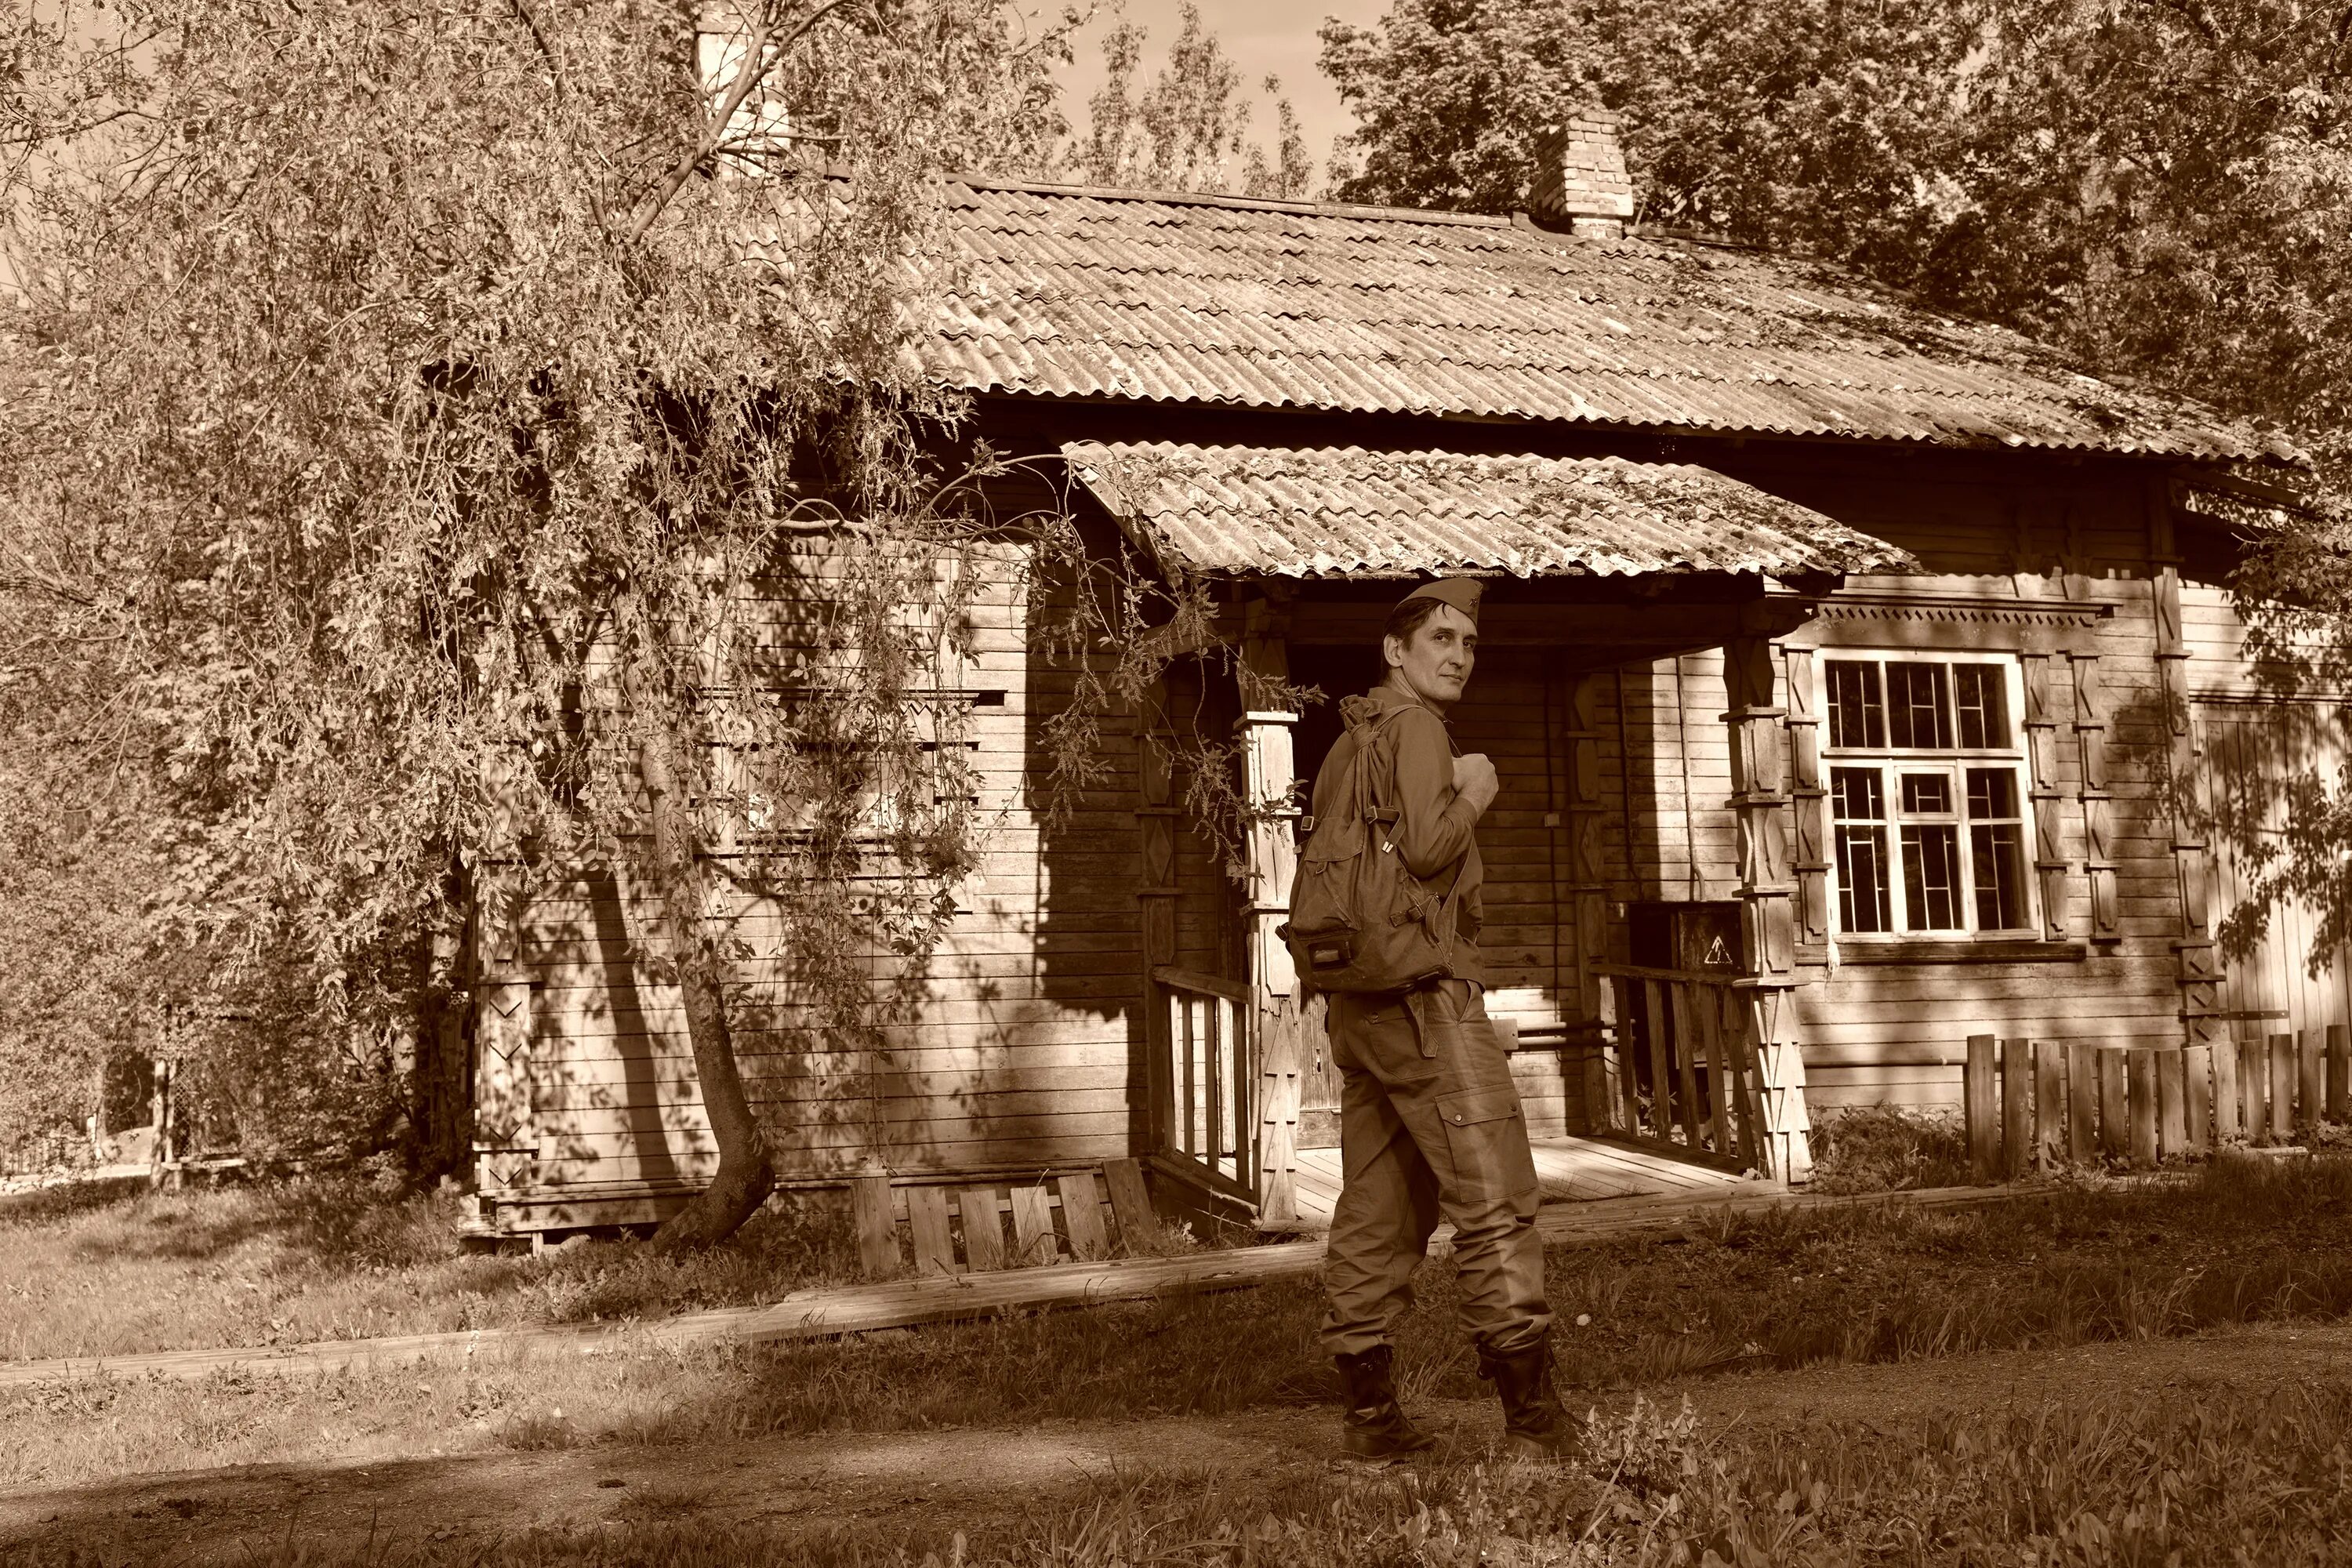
(2051, 861)
(1999, 949)
(2198, 975)
(1768, 892)
(2097, 804)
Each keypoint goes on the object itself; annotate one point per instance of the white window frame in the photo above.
(1954, 763)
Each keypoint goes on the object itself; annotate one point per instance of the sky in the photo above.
(1261, 36)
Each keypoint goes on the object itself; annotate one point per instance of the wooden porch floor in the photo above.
(1572, 1170)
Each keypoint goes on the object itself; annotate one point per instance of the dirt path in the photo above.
(947, 1481)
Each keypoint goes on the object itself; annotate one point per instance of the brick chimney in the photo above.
(1581, 183)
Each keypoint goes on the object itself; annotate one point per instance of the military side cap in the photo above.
(1462, 592)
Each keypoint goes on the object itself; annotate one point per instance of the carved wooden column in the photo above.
(2051, 863)
(1810, 798)
(505, 1145)
(2199, 971)
(1269, 779)
(1768, 899)
(1587, 885)
(2099, 804)
(1156, 820)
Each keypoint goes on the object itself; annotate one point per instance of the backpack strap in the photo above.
(1422, 910)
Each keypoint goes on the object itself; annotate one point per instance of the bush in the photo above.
(1886, 1149)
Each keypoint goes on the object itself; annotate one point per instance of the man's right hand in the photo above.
(1475, 780)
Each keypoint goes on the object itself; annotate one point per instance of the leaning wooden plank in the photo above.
(984, 1230)
(878, 1232)
(2339, 1072)
(1130, 1205)
(2226, 1124)
(2115, 1104)
(2082, 1100)
(2310, 1078)
(926, 1221)
(1033, 1227)
(2253, 1089)
(2017, 1105)
(1981, 1089)
(2282, 1087)
(1662, 1093)
(2197, 1066)
(1082, 1217)
(1687, 1045)
(2048, 1104)
(2171, 1103)
(2143, 1106)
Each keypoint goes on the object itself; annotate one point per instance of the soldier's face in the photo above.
(1436, 660)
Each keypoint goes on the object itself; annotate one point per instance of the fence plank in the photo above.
(2171, 1103)
(1082, 1219)
(2253, 1089)
(1751, 1092)
(2310, 1077)
(2339, 1072)
(1033, 1227)
(878, 1232)
(2115, 1105)
(927, 1222)
(2143, 1106)
(1686, 1037)
(2016, 1106)
(2227, 1123)
(1130, 1203)
(2197, 1067)
(1980, 1090)
(2048, 1104)
(1661, 1092)
(2082, 1100)
(984, 1229)
(2282, 1087)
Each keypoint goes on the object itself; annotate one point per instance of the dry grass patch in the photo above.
(109, 1272)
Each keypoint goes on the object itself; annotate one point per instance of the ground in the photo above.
(929, 1485)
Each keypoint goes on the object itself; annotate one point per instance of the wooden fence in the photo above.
(2041, 1104)
(1684, 1064)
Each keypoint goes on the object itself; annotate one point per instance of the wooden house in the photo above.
(1840, 660)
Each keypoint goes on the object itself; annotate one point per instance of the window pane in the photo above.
(1919, 710)
(1992, 793)
(1926, 794)
(1864, 895)
(1931, 878)
(1856, 717)
(1981, 696)
(1998, 853)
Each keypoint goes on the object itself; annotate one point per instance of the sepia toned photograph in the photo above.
(1175, 784)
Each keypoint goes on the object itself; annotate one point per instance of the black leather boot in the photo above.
(1375, 1427)
(1535, 1425)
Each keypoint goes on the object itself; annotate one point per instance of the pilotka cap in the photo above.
(1462, 592)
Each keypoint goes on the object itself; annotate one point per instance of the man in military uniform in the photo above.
(1429, 1125)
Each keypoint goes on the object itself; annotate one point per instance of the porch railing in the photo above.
(1683, 1062)
(1208, 1117)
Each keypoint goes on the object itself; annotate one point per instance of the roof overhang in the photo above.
(1348, 513)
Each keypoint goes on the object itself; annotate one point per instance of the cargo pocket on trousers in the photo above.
(1487, 1138)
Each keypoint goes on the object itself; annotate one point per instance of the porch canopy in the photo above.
(1654, 557)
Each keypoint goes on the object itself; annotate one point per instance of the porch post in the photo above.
(1156, 814)
(1268, 776)
(1588, 889)
(1768, 895)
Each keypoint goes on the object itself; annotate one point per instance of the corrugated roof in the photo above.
(1075, 293)
(1345, 512)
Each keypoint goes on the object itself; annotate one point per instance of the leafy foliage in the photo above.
(1189, 128)
(417, 428)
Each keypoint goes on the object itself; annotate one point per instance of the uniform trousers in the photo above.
(1430, 1127)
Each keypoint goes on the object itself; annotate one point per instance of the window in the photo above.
(1926, 795)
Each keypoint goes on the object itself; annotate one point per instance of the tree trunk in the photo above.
(745, 1175)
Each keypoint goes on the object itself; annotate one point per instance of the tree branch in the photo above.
(754, 71)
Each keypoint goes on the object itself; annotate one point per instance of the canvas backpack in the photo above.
(1359, 920)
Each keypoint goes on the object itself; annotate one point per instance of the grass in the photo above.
(109, 1268)
(2201, 1475)
(2244, 1241)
